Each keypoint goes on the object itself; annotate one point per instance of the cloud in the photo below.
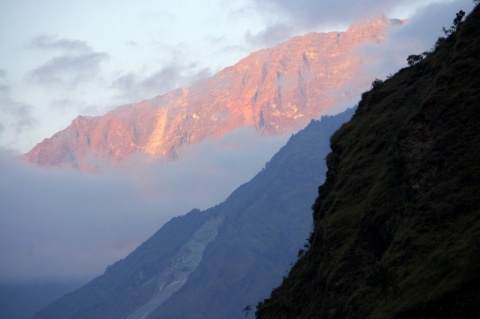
(222, 163)
(52, 221)
(69, 69)
(285, 18)
(426, 25)
(418, 35)
(311, 13)
(47, 42)
(384, 59)
(308, 14)
(16, 116)
(76, 63)
(272, 35)
(64, 225)
(137, 86)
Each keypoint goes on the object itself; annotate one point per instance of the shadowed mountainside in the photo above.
(397, 221)
(211, 264)
(275, 90)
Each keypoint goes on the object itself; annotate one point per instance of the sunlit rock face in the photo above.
(275, 90)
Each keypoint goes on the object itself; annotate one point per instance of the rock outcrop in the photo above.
(275, 90)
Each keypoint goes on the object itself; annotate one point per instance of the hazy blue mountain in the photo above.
(214, 263)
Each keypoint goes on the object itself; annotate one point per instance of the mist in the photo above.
(62, 225)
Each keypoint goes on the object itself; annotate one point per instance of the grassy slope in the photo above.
(397, 222)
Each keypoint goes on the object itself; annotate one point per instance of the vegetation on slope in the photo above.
(397, 221)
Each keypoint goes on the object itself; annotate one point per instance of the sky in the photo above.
(62, 58)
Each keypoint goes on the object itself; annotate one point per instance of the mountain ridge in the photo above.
(275, 90)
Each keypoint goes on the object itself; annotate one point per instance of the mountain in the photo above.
(275, 90)
(397, 220)
(213, 263)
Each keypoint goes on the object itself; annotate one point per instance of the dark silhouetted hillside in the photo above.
(397, 221)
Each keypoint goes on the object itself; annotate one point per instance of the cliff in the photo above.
(275, 90)
(397, 221)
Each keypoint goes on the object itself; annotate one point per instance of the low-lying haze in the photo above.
(66, 225)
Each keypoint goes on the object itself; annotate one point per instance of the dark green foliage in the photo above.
(439, 42)
(414, 58)
(397, 220)
(247, 310)
(458, 19)
(382, 280)
(376, 83)
(456, 23)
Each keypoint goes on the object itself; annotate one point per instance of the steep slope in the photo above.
(397, 221)
(275, 90)
(211, 264)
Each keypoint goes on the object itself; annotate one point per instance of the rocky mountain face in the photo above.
(397, 221)
(275, 90)
(214, 263)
